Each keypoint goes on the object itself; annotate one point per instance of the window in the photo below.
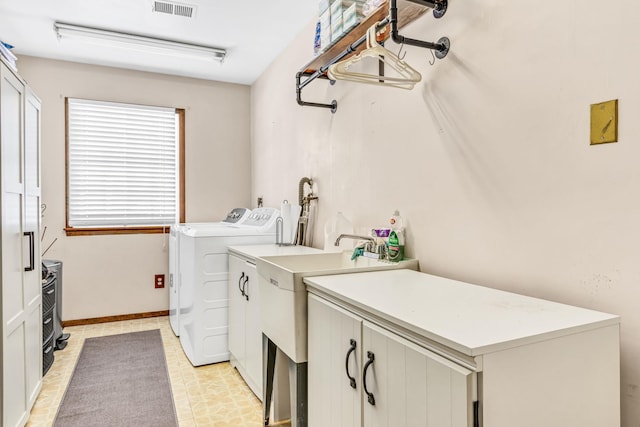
(125, 168)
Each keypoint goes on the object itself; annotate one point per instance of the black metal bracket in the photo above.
(439, 7)
(441, 48)
(299, 85)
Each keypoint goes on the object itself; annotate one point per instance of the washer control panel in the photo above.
(237, 216)
(262, 217)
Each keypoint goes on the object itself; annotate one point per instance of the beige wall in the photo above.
(111, 275)
(488, 158)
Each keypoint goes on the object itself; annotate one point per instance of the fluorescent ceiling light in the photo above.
(139, 43)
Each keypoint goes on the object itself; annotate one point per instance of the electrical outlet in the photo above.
(159, 282)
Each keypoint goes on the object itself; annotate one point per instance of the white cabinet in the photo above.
(245, 335)
(20, 261)
(363, 375)
(436, 352)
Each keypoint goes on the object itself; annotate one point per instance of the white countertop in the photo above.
(468, 318)
(255, 251)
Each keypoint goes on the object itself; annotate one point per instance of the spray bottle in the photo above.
(396, 238)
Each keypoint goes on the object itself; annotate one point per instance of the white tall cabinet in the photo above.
(20, 259)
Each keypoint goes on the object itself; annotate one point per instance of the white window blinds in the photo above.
(122, 165)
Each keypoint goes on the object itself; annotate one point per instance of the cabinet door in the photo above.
(253, 330)
(32, 277)
(236, 309)
(14, 313)
(412, 386)
(332, 333)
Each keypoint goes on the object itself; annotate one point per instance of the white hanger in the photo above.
(406, 77)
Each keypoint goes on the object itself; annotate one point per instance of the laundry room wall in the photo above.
(114, 274)
(488, 158)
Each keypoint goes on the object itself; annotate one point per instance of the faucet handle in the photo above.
(381, 250)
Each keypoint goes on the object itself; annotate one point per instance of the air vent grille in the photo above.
(162, 7)
(183, 10)
(172, 8)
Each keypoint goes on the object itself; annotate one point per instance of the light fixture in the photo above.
(139, 43)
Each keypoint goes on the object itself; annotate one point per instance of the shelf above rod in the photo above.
(321, 72)
(348, 50)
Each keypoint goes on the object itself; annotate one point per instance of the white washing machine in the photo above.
(203, 288)
(235, 217)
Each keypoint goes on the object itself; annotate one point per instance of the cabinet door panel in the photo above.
(15, 396)
(32, 279)
(253, 331)
(11, 108)
(413, 386)
(32, 145)
(236, 308)
(13, 243)
(332, 400)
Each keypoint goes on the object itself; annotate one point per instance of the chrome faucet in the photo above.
(370, 245)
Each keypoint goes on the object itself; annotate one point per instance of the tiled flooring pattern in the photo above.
(206, 396)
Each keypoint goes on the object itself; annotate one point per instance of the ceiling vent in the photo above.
(172, 8)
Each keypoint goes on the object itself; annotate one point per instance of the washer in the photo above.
(203, 287)
(234, 217)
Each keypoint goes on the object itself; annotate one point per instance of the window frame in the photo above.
(156, 229)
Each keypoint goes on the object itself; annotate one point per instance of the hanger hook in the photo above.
(402, 54)
(433, 57)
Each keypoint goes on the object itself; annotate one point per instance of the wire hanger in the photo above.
(406, 76)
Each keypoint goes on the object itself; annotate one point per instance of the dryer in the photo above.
(203, 288)
(234, 217)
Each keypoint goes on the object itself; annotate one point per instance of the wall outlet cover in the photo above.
(604, 122)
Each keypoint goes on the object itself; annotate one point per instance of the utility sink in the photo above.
(283, 296)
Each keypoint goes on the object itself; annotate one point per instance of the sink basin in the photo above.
(283, 297)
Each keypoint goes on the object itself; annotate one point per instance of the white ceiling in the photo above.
(253, 32)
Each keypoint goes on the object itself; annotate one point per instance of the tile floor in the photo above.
(206, 396)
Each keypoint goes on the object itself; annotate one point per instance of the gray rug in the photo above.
(119, 380)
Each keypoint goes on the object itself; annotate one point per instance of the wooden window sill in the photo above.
(121, 230)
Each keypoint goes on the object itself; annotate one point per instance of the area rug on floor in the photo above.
(119, 380)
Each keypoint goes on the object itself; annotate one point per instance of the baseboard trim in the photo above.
(121, 317)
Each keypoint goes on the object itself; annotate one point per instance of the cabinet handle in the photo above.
(352, 380)
(240, 285)
(31, 251)
(245, 292)
(370, 397)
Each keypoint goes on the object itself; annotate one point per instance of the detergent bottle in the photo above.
(395, 251)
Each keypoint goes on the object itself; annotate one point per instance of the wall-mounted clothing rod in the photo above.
(441, 48)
